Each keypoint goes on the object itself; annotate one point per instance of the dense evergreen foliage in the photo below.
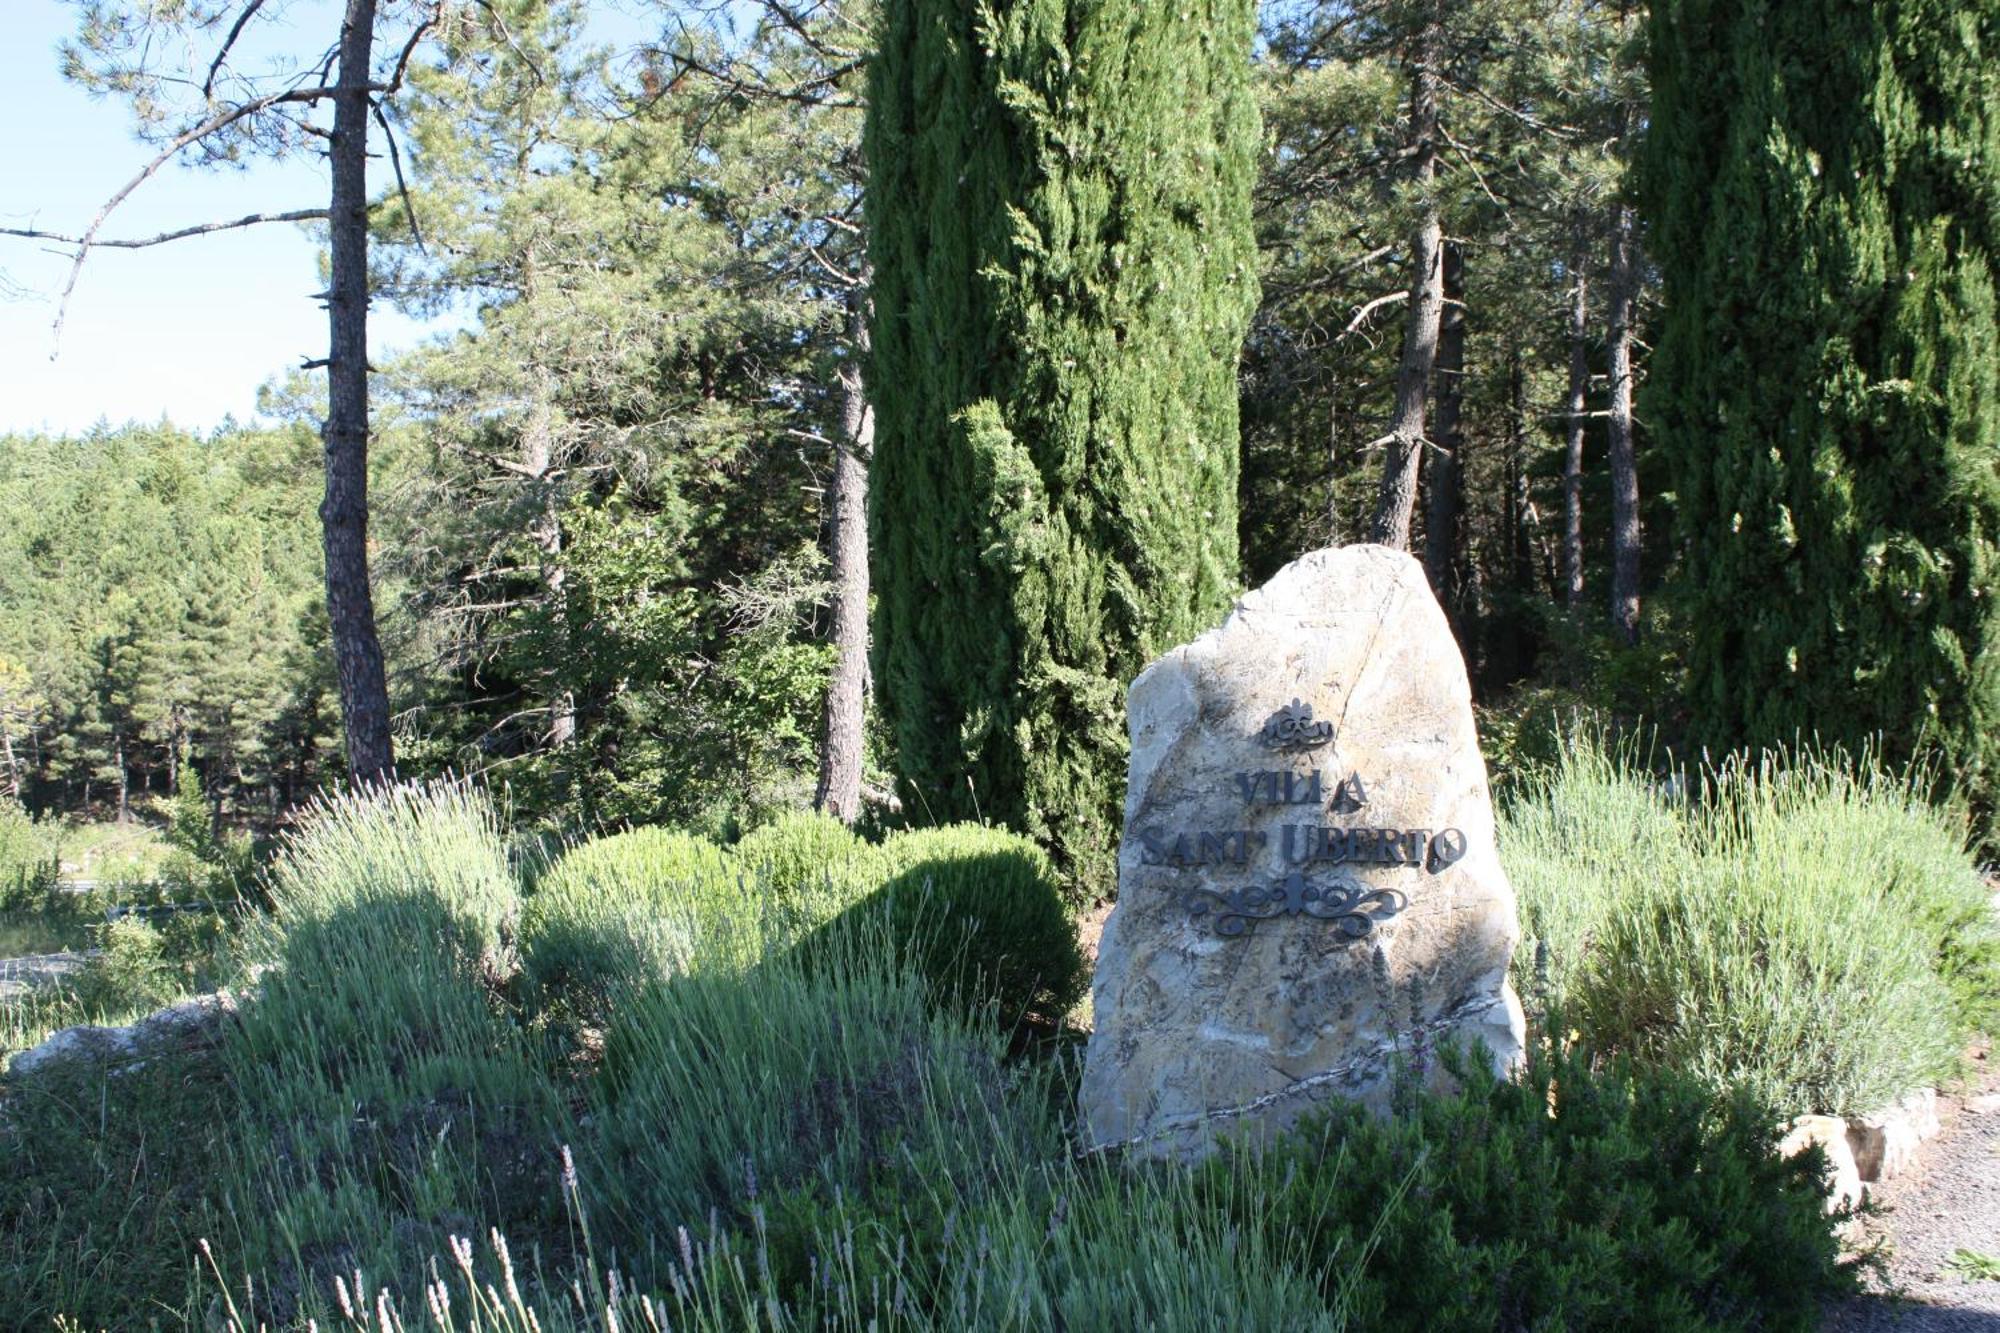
(162, 604)
(1059, 225)
(1821, 188)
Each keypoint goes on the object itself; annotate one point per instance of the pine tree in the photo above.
(1058, 204)
(1821, 186)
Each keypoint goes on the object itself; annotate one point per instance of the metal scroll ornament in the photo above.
(1292, 729)
(1352, 907)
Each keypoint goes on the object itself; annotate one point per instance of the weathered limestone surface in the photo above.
(1885, 1144)
(1200, 1032)
(191, 1019)
(1846, 1188)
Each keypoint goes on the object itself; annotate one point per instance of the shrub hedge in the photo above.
(619, 911)
(1804, 925)
(983, 916)
(807, 1138)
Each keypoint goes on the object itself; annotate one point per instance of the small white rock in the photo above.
(1846, 1189)
(83, 1042)
(1885, 1143)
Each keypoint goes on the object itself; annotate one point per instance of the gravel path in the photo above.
(1948, 1202)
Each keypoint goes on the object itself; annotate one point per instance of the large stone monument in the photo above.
(1308, 889)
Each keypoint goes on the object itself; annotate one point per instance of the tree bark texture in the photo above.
(1625, 534)
(1404, 454)
(1445, 484)
(350, 607)
(840, 751)
(1579, 397)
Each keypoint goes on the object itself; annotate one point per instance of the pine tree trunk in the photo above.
(538, 458)
(1579, 397)
(840, 751)
(350, 607)
(1404, 453)
(1625, 535)
(1520, 547)
(547, 534)
(1444, 487)
(124, 781)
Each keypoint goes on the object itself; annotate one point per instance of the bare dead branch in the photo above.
(797, 25)
(199, 229)
(1368, 308)
(507, 34)
(219, 121)
(402, 186)
(1539, 126)
(804, 92)
(410, 49)
(229, 43)
(1473, 167)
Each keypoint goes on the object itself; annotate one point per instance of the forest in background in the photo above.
(606, 570)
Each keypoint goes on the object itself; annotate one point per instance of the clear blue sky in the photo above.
(187, 330)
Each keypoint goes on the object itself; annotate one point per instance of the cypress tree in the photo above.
(1059, 220)
(1823, 180)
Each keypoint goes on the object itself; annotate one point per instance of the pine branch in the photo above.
(221, 120)
(228, 44)
(199, 229)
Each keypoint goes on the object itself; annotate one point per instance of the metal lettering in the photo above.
(1447, 846)
(1352, 907)
(1292, 729)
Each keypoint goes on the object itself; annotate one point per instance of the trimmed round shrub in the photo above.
(981, 913)
(621, 911)
(809, 866)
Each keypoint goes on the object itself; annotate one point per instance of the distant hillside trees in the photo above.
(162, 606)
(206, 86)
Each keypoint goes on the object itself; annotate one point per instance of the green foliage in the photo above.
(205, 864)
(807, 1081)
(1827, 380)
(108, 1188)
(1973, 1266)
(161, 592)
(1059, 221)
(1575, 1196)
(387, 939)
(800, 1140)
(1807, 926)
(808, 866)
(29, 868)
(615, 566)
(142, 965)
(620, 912)
(984, 919)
